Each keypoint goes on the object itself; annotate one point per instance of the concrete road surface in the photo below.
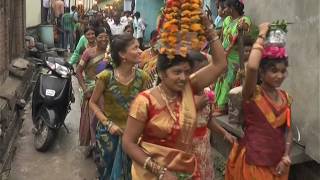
(65, 159)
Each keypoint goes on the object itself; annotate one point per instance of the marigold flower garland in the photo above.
(182, 29)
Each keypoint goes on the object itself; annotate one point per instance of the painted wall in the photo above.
(149, 10)
(127, 5)
(33, 13)
(303, 82)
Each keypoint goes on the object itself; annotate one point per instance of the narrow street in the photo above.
(64, 160)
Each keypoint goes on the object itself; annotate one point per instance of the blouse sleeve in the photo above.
(81, 46)
(139, 108)
(247, 20)
(86, 55)
(103, 76)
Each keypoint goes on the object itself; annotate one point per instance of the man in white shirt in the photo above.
(126, 19)
(46, 7)
(74, 13)
(139, 28)
(116, 26)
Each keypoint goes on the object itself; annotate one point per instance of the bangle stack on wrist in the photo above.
(109, 124)
(154, 167)
(162, 173)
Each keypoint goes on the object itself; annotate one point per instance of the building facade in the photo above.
(12, 29)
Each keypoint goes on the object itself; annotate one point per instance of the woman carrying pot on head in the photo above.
(118, 88)
(88, 64)
(162, 119)
(263, 152)
(232, 25)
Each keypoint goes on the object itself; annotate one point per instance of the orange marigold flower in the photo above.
(196, 27)
(172, 39)
(185, 13)
(162, 50)
(185, 6)
(195, 6)
(195, 18)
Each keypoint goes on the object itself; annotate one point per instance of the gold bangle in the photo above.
(262, 37)
(163, 171)
(154, 167)
(257, 49)
(258, 46)
(146, 162)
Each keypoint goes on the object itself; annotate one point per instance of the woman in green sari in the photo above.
(232, 24)
(118, 87)
(87, 70)
(88, 40)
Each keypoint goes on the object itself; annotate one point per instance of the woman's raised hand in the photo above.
(263, 29)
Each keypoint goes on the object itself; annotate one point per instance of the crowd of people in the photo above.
(144, 116)
(70, 22)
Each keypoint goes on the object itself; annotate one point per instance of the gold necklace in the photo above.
(174, 117)
(170, 99)
(131, 77)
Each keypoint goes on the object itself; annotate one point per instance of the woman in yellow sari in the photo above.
(162, 119)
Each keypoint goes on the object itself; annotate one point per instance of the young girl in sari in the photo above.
(263, 152)
(162, 120)
(118, 87)
(88, 64)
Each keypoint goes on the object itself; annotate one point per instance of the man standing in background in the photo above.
(46, 7)
(116, 26)
(139, 28)
(58, 10)
(68, 26)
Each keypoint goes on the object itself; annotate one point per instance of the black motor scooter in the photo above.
(51, 100)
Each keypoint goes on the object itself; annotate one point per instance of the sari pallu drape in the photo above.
(88, 122)
(263, 145)
(115, 164)
(174, 151)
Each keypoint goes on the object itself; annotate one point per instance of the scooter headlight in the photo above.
(62, 70)
(51, 65)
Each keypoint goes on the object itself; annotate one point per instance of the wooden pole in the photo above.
(241, 54)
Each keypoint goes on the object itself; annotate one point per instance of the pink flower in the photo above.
(274, 52)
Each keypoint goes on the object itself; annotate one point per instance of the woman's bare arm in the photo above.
(94, 101)
(288, 142)
(217, 64)
(252, 68)
(79, 75)
(215, 127)
(130, 138)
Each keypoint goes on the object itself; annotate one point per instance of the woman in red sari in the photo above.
(263, 152)
(162, 120)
